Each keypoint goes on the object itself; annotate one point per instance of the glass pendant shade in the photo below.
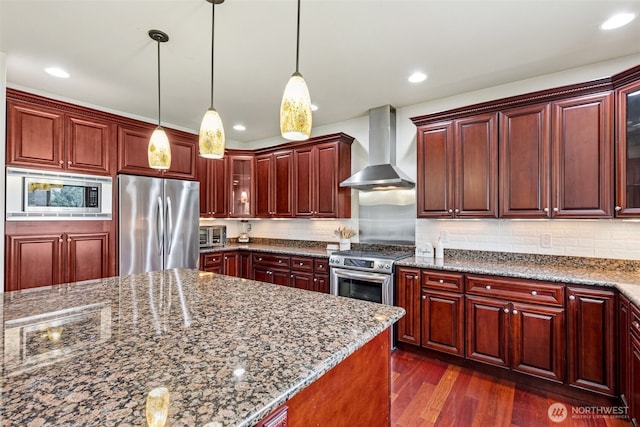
(295, 110)
(211, 140)
(159, 150)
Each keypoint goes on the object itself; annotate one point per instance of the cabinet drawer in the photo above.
(268, 260)
(212, 259)
(302, 264)
(516, 290)
(635, 321)
(444, 281)
(321, 265)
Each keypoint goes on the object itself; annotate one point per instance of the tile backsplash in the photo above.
(614, 239)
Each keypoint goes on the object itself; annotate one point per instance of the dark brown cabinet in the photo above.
(581, 158)
(240, 190)
(50, 259)
(212, 175)
(458, 168)
(132, 152)
(49, 138)
(271, 268)
(319, 166)
(442, 325)
(525, 162)
(628, 150)
(634, 365)
(274, 173)
(516, 324)
(220, 262)
(408, 297)
(591, 336)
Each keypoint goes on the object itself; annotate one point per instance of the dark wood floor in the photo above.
(428, 392)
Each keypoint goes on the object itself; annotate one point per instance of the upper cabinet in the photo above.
(556, 159)
(274, 173)
(628, 150)
(241, 185)
(49, 137)
(133, 140)
(319, 166)
(212, 174)
(547, 154)
(457, 168)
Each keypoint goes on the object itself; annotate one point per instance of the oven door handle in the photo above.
(350, 274)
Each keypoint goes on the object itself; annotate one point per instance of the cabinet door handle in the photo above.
(506, 310)
(68, 239)
(450, 211)
(424, 297)
(457, 211)
(61, 162)
(315, 280)
(618, 208)
(488, 287)
(60, 240)
(440, 281)
(571, 298)
(534, 293)
(556, 209)
(514, 312)
(69, 162)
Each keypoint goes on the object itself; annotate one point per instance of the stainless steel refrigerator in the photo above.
(158, 223)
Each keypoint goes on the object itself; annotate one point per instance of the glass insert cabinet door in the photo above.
(628, 164)
(241, 191)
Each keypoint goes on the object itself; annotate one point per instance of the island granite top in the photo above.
(229, 350)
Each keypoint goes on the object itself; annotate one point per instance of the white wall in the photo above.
(588, 238)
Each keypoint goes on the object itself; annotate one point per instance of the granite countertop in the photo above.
(625, 280)
(230, 350)
(312, 251)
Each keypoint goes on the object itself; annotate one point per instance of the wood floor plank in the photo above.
(410, 417)
(440, 394)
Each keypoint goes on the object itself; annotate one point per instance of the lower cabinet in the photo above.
(271, 268)
(443, 321)
(591, 321)
(44, 260)
(220, 263)
(634, 366)
(407, 296)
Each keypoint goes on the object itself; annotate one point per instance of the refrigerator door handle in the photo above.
(159, 225)
(169, 224)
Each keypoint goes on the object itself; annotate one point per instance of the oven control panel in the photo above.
(363, 264)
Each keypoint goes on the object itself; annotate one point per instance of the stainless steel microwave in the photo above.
(213, 235)
(44, 195)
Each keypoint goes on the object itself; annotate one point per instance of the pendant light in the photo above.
(159, 150)
(211, 139)
(295, 109)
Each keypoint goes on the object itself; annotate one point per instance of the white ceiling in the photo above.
(354, 54)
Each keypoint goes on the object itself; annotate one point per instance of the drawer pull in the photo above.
(534, 293)
(301, 264)
(279, 261)
(571, 297)
(515, 312)
(440, 281)
(488, 287)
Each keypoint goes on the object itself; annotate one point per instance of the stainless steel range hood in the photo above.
(382, 172)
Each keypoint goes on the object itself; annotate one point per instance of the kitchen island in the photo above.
(230, 351)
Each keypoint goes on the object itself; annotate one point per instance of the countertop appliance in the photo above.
(34, 194)
(212, 236)
(158, 224)
(364, 274)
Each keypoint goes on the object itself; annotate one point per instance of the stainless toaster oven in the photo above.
(213, 235)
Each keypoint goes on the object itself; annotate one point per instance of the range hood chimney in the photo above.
(382, 172)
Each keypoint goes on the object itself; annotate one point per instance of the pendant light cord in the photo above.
(159, 109)
(298, 38)
(213, 21)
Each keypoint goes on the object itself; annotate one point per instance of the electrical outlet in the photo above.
(545, 240)
(444, 236)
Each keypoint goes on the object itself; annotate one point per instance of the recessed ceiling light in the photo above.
(314, 107)
(617, 21)
(57, 72)
(239, 127)
(417, 77)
